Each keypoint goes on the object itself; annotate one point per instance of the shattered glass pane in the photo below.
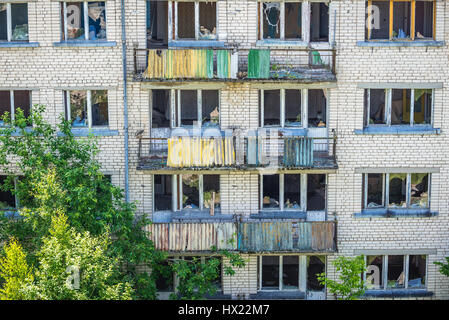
(190, 191)
(271, 20)
(419, 197)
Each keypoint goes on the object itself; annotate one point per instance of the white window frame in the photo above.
(281, 284)
(385, 192)
(173, 34)
(384, 273)
(302, 195)
(11, 97)
(66, 96)
(388, 101)
(9, 22)
(85, 18)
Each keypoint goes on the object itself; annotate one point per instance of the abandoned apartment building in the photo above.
(303, 130)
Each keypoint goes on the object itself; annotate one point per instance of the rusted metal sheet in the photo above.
(286, 236)
(298, 152)
(259, 64)
(185, 237)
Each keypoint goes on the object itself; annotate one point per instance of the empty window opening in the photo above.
(270, 273)
(162, 192)
(374, 278)
(211, 191)
(397, 190)
(417, 271)
(190, 191)
(290, 272)
(164, 281)
(157, 24)
(7, 198)
(316, 192)
(424, 19)
(3, 22)
(396, 275)
(292, 191)
(319, 21)
(186, 20)
(208, 20)
(378, 26)
(271, 20)
(12, 100)
(375, 101)
(189, 107)
(401, 19)
(87, 108)
(315, 266)
(160, 114)
(210, 108)
(419, 196)
(422, 108)
(317, 108)
(375, 185)
(272, 108)
(5, 103)
(270, 191)
(293, 20)
(13, 22)
(400, 106)
(292, 107)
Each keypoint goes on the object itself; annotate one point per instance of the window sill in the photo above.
(13, 44)
(84, 43)
(387, 43)
(398, 130)
(190, 215)
(196, 44)
(398, 293)
(98, 132)
(268, 295)
(394, 213)
(281, 43)
(277, 214)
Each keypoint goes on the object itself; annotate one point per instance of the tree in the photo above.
(444, 267)
(15, 272)
(351, 285)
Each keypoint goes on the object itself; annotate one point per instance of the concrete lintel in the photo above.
(375, 252)
(400, 85)
(293, 85)
(397, 170)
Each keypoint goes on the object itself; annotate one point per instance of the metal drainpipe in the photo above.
(125, 100)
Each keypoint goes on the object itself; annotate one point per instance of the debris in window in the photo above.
(397, 190)
(100, 108)
(7, 199)
(270, 191)
(317, 108)
(319, 21)
(97, 20)
(211, 191)
(374, 267)
(400, 106)
(189, 107)
(290, 272)
(315, 265)
(190, 191)
(401, 19)
(396, 275)
(75, 21)
(316, 192)
(186, 20)
(157, 24)
(417, 271)
(78, 108)
(162, 192)
(419, 197)
(380, 20)
(272, 108)
(376, 106)
(19, 21)
(161, 109)
(271, 20)
(422, 108)
(375, 190)
(293, 20)
(210, 108)
(293, 108)
(208, 20)
(292, 191)
(424, 19)
(270, 272)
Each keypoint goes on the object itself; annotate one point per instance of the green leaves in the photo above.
(444, 267)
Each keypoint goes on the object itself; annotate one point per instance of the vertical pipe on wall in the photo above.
(125, 101)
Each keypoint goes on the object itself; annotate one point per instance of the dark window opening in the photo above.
(160, 115)
(22, 100)
(157, 24)
(400, 106)
(380, 27)
(319, 21)
(271, 20)
(419, 196)
(19, 21)
(422, 107)
(208, 20)
(396, 275)
(417, 271)
(100, 116)
(293, 17)
(316, 192)
(401, 19)
(374, 278)
(3, 23)
(270, 191)
(5, 104)
(217, 282)
(292, 191)
(163, 192)
(315, 265)
(190, 191)
(186, 20)
(211, 191)
(270, 272)
(317, 108)
(210, 108)
(7, 198)
(376, 105)
(423, 19)
(290, 272)
(189, 107)
(375, 190)
(292, 107)
(397, 190)
(164, 281)
(97, 20)
(272, 108)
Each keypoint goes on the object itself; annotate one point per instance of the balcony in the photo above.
(248, 237)
(171, 65)
(237, 153)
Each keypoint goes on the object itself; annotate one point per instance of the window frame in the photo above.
(302, 195)
(11, 101)
(66, 99)
(85, 19)
(406, 263)
(9, 30)
(388, 108)
(281, 266)
(386, 196)
(391, 21)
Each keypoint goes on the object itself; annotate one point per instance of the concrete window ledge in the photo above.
(386, 43)
(395, 213)
(210, 44)
(84, 132)
(398, 130)
(190, 215)
(398, 293)
(278, 295)
(272, 214)
(19, 44)
(281, 43)
(84, 43)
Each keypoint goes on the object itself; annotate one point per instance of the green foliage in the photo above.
(351, 286)
(444, 267)
(15, 272)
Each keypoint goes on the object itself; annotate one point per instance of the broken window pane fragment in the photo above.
(419, 197)
(292, 108)
(271, 20)
(97, 20)
(396, 275)
(417, 271)
(397, 190)
(270, 191)
(293, 17)
(190, 191)
(208, 20)
(100, 115)
(270, 272)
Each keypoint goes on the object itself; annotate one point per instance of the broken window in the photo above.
(83, 20)
(199, 108)
(87, 108)
(278, 272)
(195, 20)
(281, 108)
(290, 272)
(316, 192)
(190, 191)
(186, 20)
(7, 198)
(12, 100)
(397, 190)
(396, 106)
(208, 20)
(374, 279)
(317, 108)
(13, 22)
(162, 192)
(210, 108)
(419, 196)
(292, 107)
(271, 20)
(315, 266)
(292, 191)
(270, 191)
(272, 108)
(319, 21)
(211, 191)
(157, 24)
(375, 190)
(417, 271)
(395, 272)
(160, 114)
(410, 20)
(270, 272)
(293, 20)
